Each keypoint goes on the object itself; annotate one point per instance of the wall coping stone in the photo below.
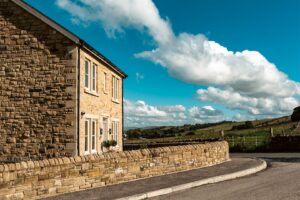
(136, 154)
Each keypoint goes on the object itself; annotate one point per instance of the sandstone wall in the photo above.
(29, 180)
(99, 105)
(37, 88)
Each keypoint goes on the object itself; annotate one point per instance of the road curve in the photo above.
(281, 181)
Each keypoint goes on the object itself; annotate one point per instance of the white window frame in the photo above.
(115, 130)
(105, 82)
(94, 78)
(105, 134)
(86, 136)
(94, 135)
(87, 73)
(115, 88)
(90, 76)
(88, 128)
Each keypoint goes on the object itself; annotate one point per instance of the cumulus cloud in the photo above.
(243, 80)
(272, 105)
(195, 59)
(117, 15)
(207, 113)
(176, 108)
(140, 114)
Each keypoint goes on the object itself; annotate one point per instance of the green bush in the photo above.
(296, 115)
(190, 133)
(106, 144)
(113, 143)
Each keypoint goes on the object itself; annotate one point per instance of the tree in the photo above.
(296, 115)
(249, 124)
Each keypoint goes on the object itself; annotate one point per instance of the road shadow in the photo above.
(286, 160)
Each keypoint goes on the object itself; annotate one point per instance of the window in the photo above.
(86, 136)
(87, 74)
(115, 88)
(90, 77)
(115, 130)
(94, 78)
(105, 129)
(105, 82)
(90, 136)
(93, 135)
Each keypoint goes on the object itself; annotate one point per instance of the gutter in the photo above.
(102, 58)
(78, 101)
(123, 115)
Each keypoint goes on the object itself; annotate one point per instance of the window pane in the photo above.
(117, 130)
(86, 138)
(104, 82)
(117, 88)
(87, 74)
(93, 135)
(105, 128)
(113, 87)
(94, 72)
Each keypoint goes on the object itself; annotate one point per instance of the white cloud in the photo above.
(139, 114)
(207, 113)
(195, 59)
(116, 15)
(243, 80)
(176, 108)
(139, 77)
(272, 105)
(141, 109)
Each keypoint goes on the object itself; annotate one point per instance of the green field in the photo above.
(244, 139)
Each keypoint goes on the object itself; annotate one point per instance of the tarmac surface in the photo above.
(281, 181)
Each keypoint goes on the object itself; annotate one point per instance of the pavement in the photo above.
(281, 181)
(167, 184)
(289, 157)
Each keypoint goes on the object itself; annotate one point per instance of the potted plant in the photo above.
(113, 144)
(106, 144)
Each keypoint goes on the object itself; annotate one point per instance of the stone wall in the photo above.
(37, 88)
(99, 105)
(30, 180)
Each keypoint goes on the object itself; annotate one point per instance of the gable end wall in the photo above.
(37, 90)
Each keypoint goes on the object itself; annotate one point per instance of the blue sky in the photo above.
(160, 91)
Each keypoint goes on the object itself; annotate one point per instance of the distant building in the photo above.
(58, 95)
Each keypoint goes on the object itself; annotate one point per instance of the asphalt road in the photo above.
(281, 181)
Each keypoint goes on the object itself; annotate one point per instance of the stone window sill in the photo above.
(91, 93)
(115, 101)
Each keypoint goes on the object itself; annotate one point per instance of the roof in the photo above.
(77, 40)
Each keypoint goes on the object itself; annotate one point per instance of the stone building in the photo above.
(58, 95)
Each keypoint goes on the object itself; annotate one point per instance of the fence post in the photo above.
(272, 132)
(244, 141)
(222, 133)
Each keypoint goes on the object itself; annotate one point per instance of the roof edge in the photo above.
(74, 38)
(101, 57)
(47, 20)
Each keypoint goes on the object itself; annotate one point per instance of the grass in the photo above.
(239, 140)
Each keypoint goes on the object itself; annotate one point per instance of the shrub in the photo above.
(190, 133)
(296, 115)
(113, 143)
(106, 144)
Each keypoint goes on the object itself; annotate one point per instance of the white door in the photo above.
(105, 129)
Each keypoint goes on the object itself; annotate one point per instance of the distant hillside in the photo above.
(210, 129)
